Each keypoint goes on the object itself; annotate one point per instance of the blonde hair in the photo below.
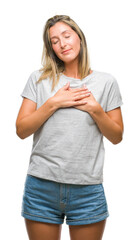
(52, 65)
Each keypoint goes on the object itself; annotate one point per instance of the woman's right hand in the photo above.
(30, 118)
(67, 97)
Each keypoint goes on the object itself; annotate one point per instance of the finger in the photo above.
(81, 96)
(78, 89)
(79, 103)
(82, 92)
(84, 86)
(66, 86)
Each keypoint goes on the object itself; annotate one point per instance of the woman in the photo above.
(69, 108)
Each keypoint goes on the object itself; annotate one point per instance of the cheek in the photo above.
(55, 49)
(76, 44)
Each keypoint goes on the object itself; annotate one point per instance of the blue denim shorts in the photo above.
(49, 201)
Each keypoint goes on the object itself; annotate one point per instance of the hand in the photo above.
(67, 97)
(91, 104)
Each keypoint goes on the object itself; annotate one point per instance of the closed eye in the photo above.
(57, 41)
(54, 42)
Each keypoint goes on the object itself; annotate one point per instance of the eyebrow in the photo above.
(61, 33)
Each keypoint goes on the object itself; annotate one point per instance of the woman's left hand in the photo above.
(90, 105)
(109, 123)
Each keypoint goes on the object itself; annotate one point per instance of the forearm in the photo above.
(30, 124)
(110, 129)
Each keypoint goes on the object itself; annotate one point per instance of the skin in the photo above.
(29, 119)
(63, 37)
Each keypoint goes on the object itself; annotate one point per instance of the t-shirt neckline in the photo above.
(78, 79)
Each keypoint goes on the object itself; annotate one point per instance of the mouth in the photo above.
(66, 51)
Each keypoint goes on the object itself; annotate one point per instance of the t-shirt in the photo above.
(68, 147)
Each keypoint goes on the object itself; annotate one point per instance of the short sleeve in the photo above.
(29, 90)
(114, 98)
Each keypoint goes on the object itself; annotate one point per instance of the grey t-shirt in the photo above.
(68, 147)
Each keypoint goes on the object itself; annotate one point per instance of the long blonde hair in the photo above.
(52, 65)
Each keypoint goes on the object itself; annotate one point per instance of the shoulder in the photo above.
(105, 77)
(35, 75)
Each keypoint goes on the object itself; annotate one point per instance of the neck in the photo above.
(71, 70)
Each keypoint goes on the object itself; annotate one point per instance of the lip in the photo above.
(66, 51)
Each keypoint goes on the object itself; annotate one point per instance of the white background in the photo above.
(111, 29)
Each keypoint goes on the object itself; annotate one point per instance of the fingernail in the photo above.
(85, 86)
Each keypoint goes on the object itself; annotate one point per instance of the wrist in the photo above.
(53, 103)
(96, 109)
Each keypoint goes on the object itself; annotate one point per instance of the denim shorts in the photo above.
(49, 201)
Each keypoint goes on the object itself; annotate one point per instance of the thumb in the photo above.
(66, 86)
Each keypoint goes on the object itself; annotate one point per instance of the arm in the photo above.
(29, 119)
(110, 124)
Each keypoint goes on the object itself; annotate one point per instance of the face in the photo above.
(65, 42)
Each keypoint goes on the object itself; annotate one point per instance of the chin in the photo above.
(69, 60)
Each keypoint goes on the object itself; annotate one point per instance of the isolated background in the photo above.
(111, 29)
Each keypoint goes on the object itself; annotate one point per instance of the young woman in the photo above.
(69, 108)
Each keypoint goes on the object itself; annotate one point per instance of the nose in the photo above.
(62, 43)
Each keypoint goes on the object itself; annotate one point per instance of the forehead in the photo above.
(59, 28)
